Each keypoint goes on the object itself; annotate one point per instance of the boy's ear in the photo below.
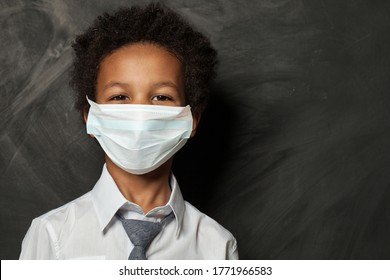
(195, 123)
(85, 113)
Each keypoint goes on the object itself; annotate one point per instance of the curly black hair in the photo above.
(154, 24)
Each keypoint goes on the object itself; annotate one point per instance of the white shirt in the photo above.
(87, 228)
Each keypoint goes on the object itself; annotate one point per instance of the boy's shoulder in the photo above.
(68, 212)
(204, 223)
(216, 241)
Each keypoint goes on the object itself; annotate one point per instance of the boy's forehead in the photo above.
(142, 67)
(143, 57)
(143, 47)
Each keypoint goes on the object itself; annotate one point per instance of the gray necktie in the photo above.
(142, 233)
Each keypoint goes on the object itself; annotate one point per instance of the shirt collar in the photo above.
(107, 200)
(176, 202)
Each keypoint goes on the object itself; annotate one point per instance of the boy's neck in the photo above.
(148, 190)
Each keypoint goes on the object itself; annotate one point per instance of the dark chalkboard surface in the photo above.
(293, 155)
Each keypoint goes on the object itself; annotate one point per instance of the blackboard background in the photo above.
(292, 156)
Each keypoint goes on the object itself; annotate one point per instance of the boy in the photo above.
(141, 78)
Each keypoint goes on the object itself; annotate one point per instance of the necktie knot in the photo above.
(141, 234)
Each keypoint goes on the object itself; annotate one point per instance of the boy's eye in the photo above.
(162, 98)
(119, 97)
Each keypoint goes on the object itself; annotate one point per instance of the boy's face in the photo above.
(141, 74)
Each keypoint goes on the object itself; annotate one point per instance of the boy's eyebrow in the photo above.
(166, 84)
(115, 84)
(156, 85)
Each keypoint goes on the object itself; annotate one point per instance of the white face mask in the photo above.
(139, 138)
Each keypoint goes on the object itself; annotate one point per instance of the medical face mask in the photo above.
(139, 138)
